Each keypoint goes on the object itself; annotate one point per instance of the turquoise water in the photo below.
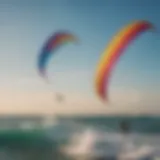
(138, 124)
(144, 130)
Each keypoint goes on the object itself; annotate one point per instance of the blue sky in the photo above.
(25, 25)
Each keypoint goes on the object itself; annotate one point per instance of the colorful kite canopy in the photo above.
(54, 42)
(112, 53)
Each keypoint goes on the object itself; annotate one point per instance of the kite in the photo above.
(114, 51)
(54, 42)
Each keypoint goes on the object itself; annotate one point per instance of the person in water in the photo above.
(124, 126)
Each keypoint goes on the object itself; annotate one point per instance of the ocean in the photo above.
(44, 144)
(138, 124)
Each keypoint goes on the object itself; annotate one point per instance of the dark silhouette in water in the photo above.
(125, 127)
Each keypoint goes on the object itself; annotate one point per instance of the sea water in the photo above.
(144, 131)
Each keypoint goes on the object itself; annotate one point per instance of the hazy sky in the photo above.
(24, 27)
